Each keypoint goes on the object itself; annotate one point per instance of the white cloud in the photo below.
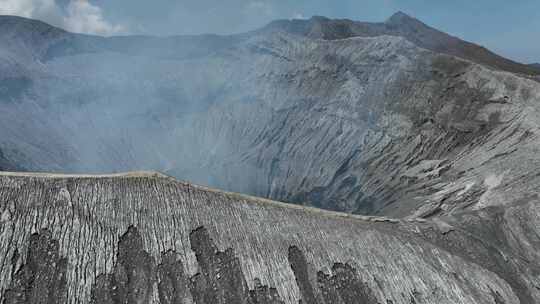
(78, 16)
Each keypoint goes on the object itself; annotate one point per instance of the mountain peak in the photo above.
(400, 18)
(399, 15)
(400, 24)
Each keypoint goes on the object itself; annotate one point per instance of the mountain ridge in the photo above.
(162, 176)
(401, 24)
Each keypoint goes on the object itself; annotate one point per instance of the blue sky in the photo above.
(510, 28)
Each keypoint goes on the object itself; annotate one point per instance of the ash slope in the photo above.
(148, 239)
(356, 124)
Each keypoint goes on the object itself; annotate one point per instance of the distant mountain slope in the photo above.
(150, 239)
(29, 37)
(405, 26)
(7, 165)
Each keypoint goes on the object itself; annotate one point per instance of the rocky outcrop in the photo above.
(42, 279)
(144, 238)
(133, 276)
(342, 287)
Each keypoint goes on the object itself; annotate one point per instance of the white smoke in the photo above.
(79, 16)
(84, 17)
(299, 16)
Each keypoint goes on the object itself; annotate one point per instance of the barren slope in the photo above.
(149, 239)
(369, 121)
(353, 124)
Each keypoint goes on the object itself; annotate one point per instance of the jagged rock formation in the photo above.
(42, 279)
(146, 238)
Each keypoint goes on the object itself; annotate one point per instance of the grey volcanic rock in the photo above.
(43, 277)
(372, 125)
(132, 279)
(439, 142)
(402, 25)
(146, 238)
